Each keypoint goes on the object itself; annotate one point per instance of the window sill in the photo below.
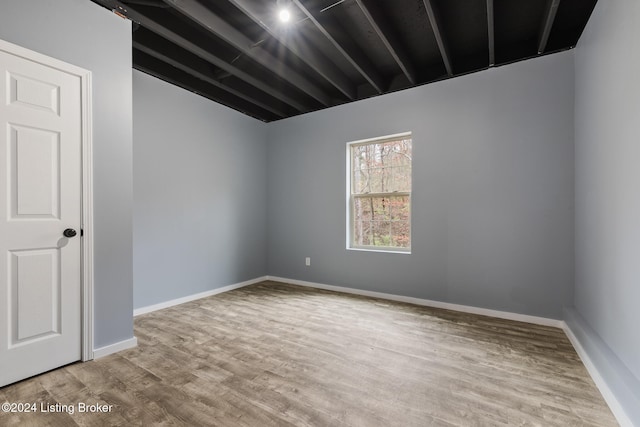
(381, 250)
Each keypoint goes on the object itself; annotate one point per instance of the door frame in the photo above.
(86, 241)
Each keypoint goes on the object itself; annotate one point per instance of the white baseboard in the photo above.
(188, 298)
(427, 303)
(114, 348)
(614, 404)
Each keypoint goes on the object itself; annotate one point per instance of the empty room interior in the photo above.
(320, 212)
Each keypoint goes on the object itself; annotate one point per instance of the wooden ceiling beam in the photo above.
(217, 26)
(491, 33)
(299, 46)
(192, 70)
(384, 31)
(152, 3)
(434, 19)
(346, 48)
(547, 24)
(177, 39)
(151, 66)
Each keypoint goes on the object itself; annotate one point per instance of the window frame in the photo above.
(350, 223)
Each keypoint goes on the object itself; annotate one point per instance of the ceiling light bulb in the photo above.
(284, 15)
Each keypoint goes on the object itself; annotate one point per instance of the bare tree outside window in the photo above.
(380, 193)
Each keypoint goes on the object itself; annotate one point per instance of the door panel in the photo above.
(40, 196)
(35, 295)
(33, 93)
(34, 160)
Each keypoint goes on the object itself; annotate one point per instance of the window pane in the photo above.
(399, 208)
(381, 231)
(381, 167)
(400, 234)
(360, 169)
(401, 179)
(380, 208)
(382, 221)
(361, 181)
(362, 233)
(363, 209)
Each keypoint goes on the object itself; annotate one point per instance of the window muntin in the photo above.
(380, 194)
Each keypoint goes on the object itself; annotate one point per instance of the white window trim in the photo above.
(349, 205)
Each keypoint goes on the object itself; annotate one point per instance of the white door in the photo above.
(40, 197)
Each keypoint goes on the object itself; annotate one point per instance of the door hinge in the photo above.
(81, 232)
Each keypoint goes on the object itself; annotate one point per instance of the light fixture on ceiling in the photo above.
(284, 10)
(284, 15)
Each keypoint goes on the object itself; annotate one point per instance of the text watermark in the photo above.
(45, 407)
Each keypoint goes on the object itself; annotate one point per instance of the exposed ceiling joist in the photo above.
(152, 3)
(346, 48)
(547, 24)
(219, 27)
(172, 36)
(491, 33)
(434, 19)
(300, 47)
(378, 22)
(203, 75)
(159, 69)
(238, 53)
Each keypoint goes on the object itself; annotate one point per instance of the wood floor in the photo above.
(281, 355)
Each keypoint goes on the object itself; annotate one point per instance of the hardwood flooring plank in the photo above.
(273, 354)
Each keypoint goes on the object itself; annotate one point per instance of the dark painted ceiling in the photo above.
(238, 53)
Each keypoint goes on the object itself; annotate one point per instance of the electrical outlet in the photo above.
(307, 261)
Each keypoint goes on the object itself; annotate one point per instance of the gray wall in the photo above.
(84, 34)
(199, 194)
(607, 127)
(493, 190)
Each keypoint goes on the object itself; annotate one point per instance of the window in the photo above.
(379, 194)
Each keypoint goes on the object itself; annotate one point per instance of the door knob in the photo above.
(69, 232)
